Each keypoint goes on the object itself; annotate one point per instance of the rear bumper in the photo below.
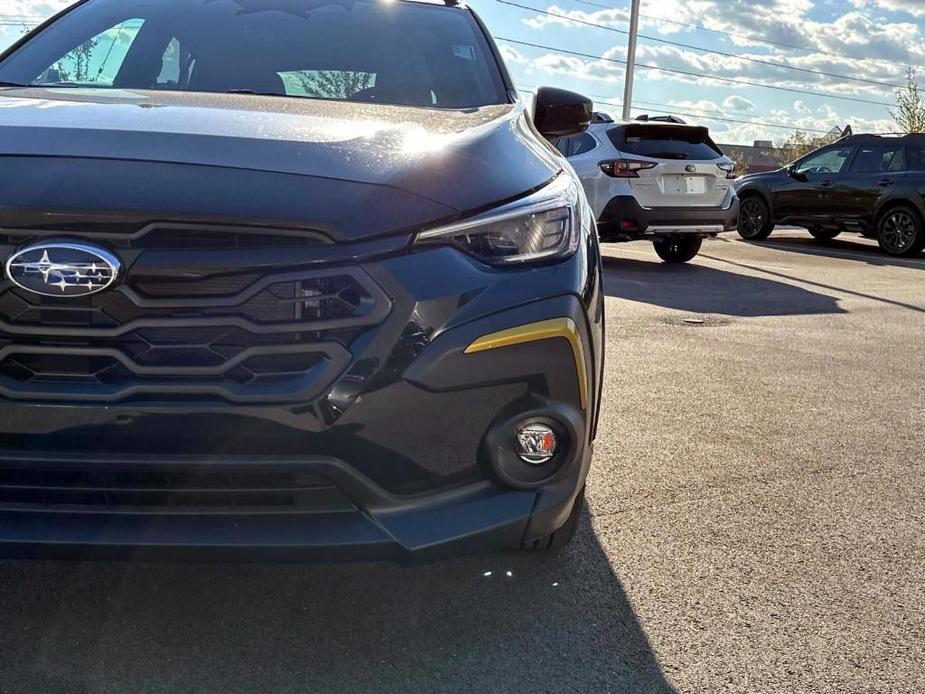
(624, 219)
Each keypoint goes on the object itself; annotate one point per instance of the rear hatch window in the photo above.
(665, 142)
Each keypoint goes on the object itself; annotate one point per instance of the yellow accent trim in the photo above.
(543, 330)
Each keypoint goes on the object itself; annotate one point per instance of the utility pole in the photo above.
(631, 61)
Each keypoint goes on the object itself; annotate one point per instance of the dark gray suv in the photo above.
(288, 279)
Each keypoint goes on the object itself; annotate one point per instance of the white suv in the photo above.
(658, 179)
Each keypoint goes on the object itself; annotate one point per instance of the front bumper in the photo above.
(408, 470)
(357, 521)
(624, 219)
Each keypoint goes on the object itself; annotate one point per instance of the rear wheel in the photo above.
(754, 219)
(823, 234)
(677, 249)
(900, 231)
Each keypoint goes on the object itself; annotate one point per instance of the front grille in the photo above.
(153, 489)
(250, 337)
(171, 236)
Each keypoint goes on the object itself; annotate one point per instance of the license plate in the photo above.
(685, 185)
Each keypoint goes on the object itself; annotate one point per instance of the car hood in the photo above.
(756, 177)
(451, 162)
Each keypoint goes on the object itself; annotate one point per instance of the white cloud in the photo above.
(610, 17)
(873, 42)
(915, 8)
(512, 55)
(667, 58)
(738, 103)
(823, 119)
(577, 68)
(34, 8)
(23, 15)
(698, 106)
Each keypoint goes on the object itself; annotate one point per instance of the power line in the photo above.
(690, 73)
(109, 52)
(693, 114)
(751, 37)
(889, 85)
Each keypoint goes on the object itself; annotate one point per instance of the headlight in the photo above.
(542, 225)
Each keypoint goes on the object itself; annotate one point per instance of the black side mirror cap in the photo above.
(560, 113)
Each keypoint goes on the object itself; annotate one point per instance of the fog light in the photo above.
(536, 443)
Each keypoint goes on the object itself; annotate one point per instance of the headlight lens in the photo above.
(543, 225)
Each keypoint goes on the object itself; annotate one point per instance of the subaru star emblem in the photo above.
(690, 168)
(63, 269)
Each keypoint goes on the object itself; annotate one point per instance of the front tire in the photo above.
(677, 249)
(823, 234)
(900, 232)
(754, 219)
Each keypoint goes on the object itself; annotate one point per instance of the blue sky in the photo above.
(869, 40)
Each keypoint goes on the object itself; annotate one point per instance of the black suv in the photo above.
(869, 184)
(289, 279)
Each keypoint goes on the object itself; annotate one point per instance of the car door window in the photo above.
(916, 154)
(873, 159)
(171, 65)
(898, 161)
(96, 61)
(830, 161)
(581, 144)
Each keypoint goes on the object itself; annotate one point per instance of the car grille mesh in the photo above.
(250, 337)
(168, 489)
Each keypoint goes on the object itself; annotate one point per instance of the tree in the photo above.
(910, 108)
(75, 66)
(740, 160)
(794, 146)
(335, 84)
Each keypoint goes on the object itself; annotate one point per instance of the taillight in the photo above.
(626, 168)
(729, 168)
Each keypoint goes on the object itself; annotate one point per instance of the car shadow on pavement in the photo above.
(702, 289)
(501, 622)
(844, 249)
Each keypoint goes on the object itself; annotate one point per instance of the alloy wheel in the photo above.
(751, 218)
(898, 232)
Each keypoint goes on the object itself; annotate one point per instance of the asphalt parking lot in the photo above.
(755, 524)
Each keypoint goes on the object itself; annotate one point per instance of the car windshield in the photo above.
(369, 51)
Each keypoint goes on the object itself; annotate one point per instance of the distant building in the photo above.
(755, 157)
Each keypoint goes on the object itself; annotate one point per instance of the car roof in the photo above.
(649, 124)
(861, 138)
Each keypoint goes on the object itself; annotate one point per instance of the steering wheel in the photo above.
(368, 94)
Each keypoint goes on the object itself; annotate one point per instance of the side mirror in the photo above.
(559, 113)
(792, 170)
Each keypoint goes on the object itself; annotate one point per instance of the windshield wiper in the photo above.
(253, 93)
(13, 84)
